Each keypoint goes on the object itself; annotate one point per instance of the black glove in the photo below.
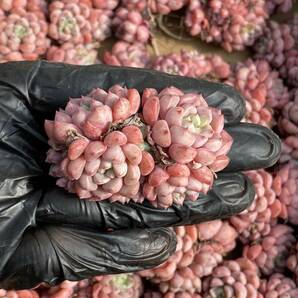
(48, 235)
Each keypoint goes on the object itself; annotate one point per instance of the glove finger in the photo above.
(52, 254)
(254, 147)
(231, 194)
(47, 86)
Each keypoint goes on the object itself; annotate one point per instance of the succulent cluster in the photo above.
(270, 253)
(278, 286)
(73, 54)
(126, 54)
(165, 146)
(288, 128)
(102, 149)
(278, 5)
(109, 286)
(23, 35)
(192, 64)
(272, 46)
(232, 24)
(292, 261)
(200, 249)
(288, 191)
(250, 79)
(130, 26)
(233, 278)
(18, 294)
(30, 5)
(255, 222)
(77, 22)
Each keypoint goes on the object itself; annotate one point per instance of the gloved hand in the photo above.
(48, 235)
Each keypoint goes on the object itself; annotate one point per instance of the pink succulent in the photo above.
(294, 26)
(69, 22)
(166, 6)
(184, 294)
(108, 286)
(191, 134)
(278, 286)
(288, 127)
(193, 259)
(289, 70)
(233, 278)
(219, 233)
(101, 23)
(292, 261)
(29, 5)
(131, 26)
(138, 5)
(74, 54)
(270, 253)
(68, 289)
(254, 223)
(126, 54)
(287, 191)
(105, 4)
(193, 64)
(98, 146)
(195, 19)
(23, 35)
(273, 44)
(117, 286)
(278, 6)
(18, 294)
(232, 24)
(183, 257)
(261, 87)
(78, 22)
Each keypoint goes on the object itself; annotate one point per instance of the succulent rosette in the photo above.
(101, 24)
(294, 26)
(108, 286)
(117, 286)
(68, 289)
(186, 133)
(273, 44)
(193, 64)
(105, 4)
(166, 6)
(255, 222)
(29, 5)
(278, 5)
(199, 250)
(279, 286)
(18, 294)
(69, 22)
(73, 54)
(292, 261)
(261, 87)
(101, 149)
(154, 294)
(130, 26)
(232, 24)
(288, 127)
(23, 35)
(78, 22)
(289, 70)
(288, 191)
(195, 18)
(233, 278)
(270, 253)
(138, 5)
(126, 54)
(187, 237)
